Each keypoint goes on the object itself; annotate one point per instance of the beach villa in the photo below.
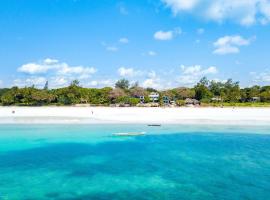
(216, 99)
(141, 99)
(154, 96)
(166, 100)
(255, 99)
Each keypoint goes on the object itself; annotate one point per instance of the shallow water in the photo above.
(169, 162)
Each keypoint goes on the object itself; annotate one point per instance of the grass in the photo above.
(245, 104)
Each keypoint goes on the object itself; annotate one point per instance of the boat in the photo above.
(129, 134)
(154, 125)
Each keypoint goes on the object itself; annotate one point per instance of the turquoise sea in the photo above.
(68, 162)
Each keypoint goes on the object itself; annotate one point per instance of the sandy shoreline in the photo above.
(93, 115)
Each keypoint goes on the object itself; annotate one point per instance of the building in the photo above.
(141, 99)
(166, 100)
(154, 97)
(216, 99)
(255, 99)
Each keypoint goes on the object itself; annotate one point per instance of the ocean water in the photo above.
(72, 162)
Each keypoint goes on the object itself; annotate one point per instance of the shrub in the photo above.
(180, 102)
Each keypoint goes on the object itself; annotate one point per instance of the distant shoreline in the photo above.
(134, 115)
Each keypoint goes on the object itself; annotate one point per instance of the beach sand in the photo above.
(95, 115)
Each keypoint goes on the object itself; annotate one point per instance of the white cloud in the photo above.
(180, 5)
(58, 81)
(261, 77)
(101, 83)
(37, 81)
(78, 70)
(163, 35)
(123, 40)
(59, 73)
(55, 66)
(200, 31)
(152, 81)
(93, 83)
(34, 68)
(244, 12)
(111, 48)
(124, 71)
(152, 53)
(230, 44)
(123, 10)
(192, 74)
(167, 35)
(50, 61)
(197, 70)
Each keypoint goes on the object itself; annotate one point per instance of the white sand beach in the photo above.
(182, 115)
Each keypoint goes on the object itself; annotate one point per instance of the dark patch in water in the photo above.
(53, 195)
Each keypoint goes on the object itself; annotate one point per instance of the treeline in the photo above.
(204, 91)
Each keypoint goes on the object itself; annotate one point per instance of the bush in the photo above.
(180, 102)
(133, 101)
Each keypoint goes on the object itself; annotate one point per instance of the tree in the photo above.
(183, 93)
(7, 98)
(135, 85)
(46, 86)
(75, 83)
(151, 89)
(265, 96)
(137, 92)
(116, 94)
(201, 90)
(232, 91)
(216, 88)
(122, 84)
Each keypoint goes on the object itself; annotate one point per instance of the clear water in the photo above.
(64, 162)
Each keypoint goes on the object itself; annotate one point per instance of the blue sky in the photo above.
(160, 43)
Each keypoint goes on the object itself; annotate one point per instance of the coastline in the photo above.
(134, 115)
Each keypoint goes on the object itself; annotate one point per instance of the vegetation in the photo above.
(209, 93)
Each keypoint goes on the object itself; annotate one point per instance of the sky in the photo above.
(159, 43)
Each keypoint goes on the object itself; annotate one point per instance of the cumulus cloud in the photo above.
(102, 83)
(167, 35)
(123, 40)
(123, 10)
(262, 77)
(152, 53)
(200, 31)
(111, 48)
(230, 44)
(128, 72)
(50, 61)
(151, 83)
(244, 12)
(78, 70)
(180, 5)
(34, 68)
(58, 73)
(192, 74)
(53, 65)
(163, 35)
(198, 70)
(152, 80)
(37, 81)
(59, 81)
